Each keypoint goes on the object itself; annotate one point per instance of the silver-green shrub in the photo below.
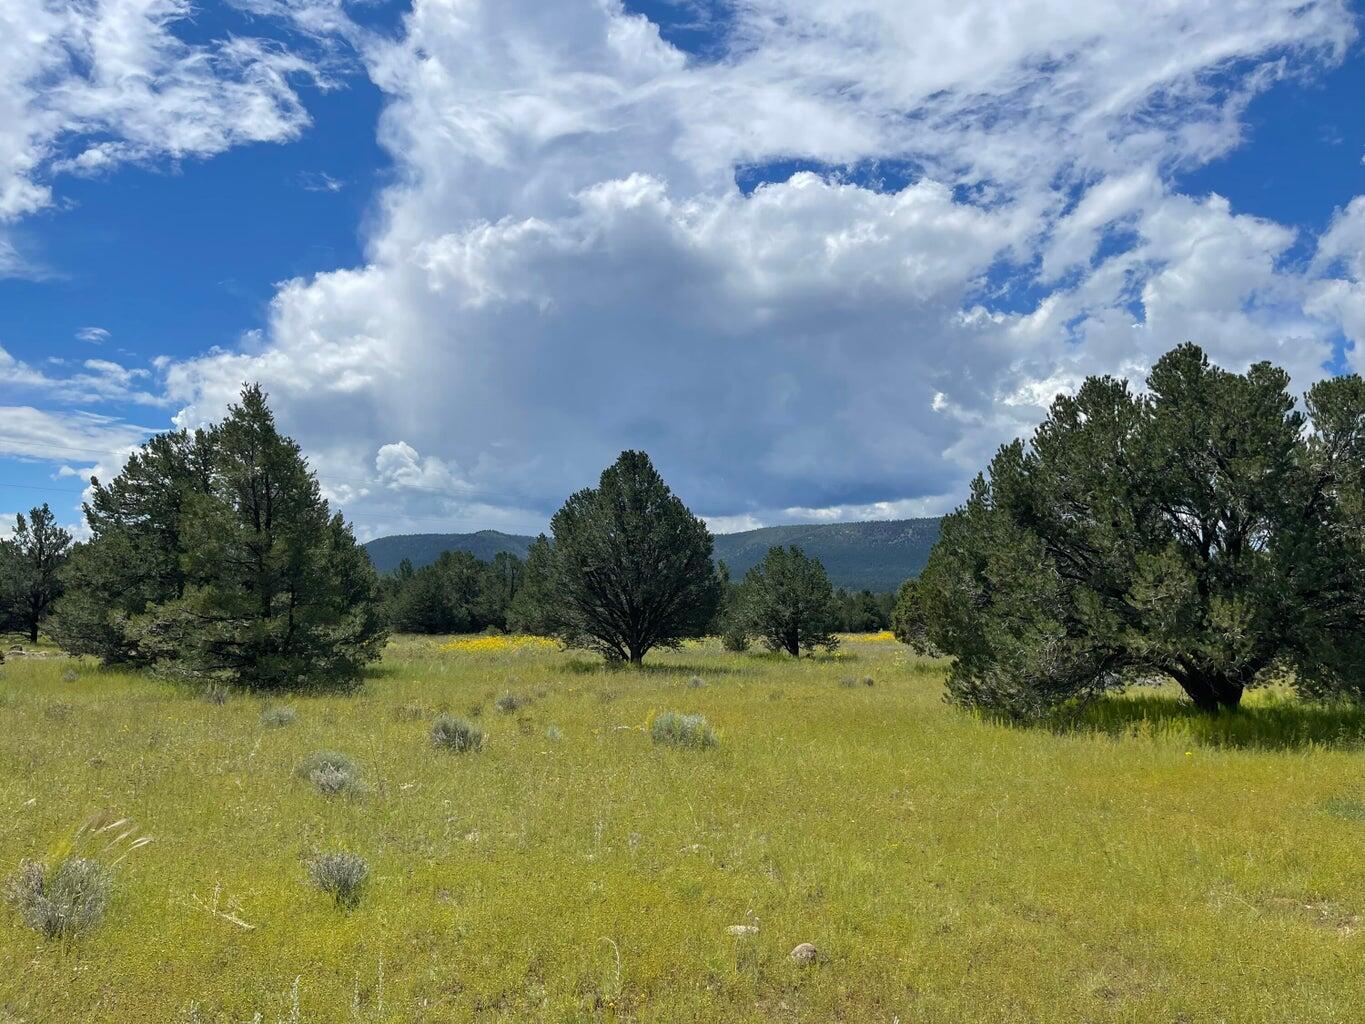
(341, 875)
(451, 733)
(679, 730)
(275, 718)
(331, 773)
(62, 900)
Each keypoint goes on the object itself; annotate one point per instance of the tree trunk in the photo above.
(1211, 692)
(33, 632)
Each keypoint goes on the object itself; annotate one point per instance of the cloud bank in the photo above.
(950, 212)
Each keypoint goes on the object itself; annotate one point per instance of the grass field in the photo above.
(1144, 865)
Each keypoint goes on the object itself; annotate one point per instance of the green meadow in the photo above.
(1138, 863)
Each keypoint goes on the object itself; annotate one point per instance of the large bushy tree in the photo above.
(30, 571)
(629, 568)
(216, 554)
(1207, 530)
(788, 601)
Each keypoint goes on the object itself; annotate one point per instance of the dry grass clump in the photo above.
(61, 900)
(510, 702)
(70, 894)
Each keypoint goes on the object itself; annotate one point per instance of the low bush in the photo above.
(679, 730)
(340, 875)
(331, 773)
(275, 718)
(735, 640)
(510, 702)
(456, 734)
(63, 900)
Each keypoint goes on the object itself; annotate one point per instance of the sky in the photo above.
(819, 260)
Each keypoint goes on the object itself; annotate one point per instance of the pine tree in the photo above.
(133, 559)
(30, 566)
(216, 554)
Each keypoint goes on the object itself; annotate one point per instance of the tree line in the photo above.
(212, 554)
(1209, 530)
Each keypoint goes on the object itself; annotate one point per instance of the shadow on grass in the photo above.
(1266, 721)
(600, 666)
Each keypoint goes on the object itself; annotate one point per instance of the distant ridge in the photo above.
(876, 556)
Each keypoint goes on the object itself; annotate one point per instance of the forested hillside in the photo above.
(874, 556)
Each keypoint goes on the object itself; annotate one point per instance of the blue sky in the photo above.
(818, 274)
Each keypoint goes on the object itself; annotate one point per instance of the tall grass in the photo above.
(1137, 864)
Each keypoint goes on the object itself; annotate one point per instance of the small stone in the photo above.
(743, 929)
(805, 953)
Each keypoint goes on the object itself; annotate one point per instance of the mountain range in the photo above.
(874, 556)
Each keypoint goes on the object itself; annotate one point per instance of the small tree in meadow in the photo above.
(215, 553)
(30, 567)
(629, 568)
(788, 601)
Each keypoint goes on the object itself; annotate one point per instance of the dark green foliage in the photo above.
(134, 559)
(530, 610)
(456, 594)
(863, 611)
(216, 555)
(787, 601)
(629, 570)
(1207, 531)
(30, 572)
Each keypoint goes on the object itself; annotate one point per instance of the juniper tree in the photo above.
(629, 568)
(1207, 530)
(30, 566)
(788, 601)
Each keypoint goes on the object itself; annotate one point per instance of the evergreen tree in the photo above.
(30, 566)
(529, 611)
(215, 553)
(1207, 530)
(278, 593)
(629, 568)
(788, 601)
(134, 558)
